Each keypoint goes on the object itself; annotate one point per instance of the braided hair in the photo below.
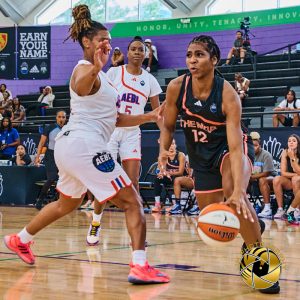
(83, 25)
(210, 45)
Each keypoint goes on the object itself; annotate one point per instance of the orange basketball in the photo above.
(218, 224)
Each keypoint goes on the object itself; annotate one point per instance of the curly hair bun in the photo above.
(81, 12)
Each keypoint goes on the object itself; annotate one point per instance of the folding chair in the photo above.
(147, 183)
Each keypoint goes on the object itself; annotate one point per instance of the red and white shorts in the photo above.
(126, 142)
(85, 163)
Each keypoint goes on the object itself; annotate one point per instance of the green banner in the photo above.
(270, 17)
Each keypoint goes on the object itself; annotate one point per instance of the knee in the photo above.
(275, 116)
(262, 181)
(295, 181)
(277, 182)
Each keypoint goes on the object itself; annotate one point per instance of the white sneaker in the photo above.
(93, 236)
(265, 213)
(297, 214)
(279, 214)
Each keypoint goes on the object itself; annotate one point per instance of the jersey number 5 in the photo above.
(200, 136)
(128, 109)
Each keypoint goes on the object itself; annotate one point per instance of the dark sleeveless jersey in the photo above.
(203, 123)
(173, 164)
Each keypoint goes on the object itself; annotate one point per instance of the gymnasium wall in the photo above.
(272, 29)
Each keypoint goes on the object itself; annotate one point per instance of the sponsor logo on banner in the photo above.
(3, 40)
(43, 67)
(34, 69)
(24, 68)
(2, 66)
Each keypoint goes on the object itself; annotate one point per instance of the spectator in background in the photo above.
(21, 158)
(175, 167)
(9, 139)
(262, 174)
(290, 103)
(45, 100)
(3, 89)
(117, 58)
(289, 178)
(19, 113)
(237, 50)
(181, 182)
(48, 138)
(151, 58)
(241, 85)
(6, 107)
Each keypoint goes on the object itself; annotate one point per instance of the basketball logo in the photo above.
(3, 40)
(104, 162)
(260, 267)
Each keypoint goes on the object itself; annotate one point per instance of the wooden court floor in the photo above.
(67, 269)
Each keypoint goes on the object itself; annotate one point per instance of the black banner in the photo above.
(7, 53)
(34, 52)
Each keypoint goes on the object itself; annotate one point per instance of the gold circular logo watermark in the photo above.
(260, 267)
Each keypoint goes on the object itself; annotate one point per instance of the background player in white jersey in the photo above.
(82, 155)
(135, 86)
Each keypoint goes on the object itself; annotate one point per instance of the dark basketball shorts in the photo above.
(209, 180)
(288, 122)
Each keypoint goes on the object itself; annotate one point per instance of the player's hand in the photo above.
(291, 153)
(101, 54)
(239, 200)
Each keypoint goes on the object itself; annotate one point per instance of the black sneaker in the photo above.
(262, 230)
(274, 289)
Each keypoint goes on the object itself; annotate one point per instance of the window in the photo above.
(60, 9)
(285, 3)
(59, 12)
(250, 5)
(120, 10)
(153, 9)
(224, 7)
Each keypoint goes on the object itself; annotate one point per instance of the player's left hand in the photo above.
(239, 200)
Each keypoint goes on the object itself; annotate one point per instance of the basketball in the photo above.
(218, 224)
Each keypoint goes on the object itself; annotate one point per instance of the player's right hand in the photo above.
(101, 54)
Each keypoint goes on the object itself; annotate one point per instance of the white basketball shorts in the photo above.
(85, 163)
(126, 142)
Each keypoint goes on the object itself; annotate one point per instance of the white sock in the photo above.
(290, 209)
(139, 257)
(97, 218)
(157, 199)
(24, 236)
(268, 206)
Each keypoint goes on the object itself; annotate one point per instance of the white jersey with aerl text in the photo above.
(134, 90)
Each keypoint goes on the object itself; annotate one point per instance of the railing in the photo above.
(262, 114)
(289, 47)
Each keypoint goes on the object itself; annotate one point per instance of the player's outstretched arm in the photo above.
(125, 120)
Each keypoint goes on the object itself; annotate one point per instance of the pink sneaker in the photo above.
(146, 275)
(14, 244)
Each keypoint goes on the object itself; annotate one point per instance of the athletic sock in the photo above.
(97, 218)
(290, 209)
(139, 257)
(267, 205)
(24, 236)
(157, 199)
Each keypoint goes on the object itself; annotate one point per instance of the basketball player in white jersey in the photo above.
(82, 155)
(135, 86)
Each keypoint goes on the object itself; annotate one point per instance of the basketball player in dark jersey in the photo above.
(219, 150)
